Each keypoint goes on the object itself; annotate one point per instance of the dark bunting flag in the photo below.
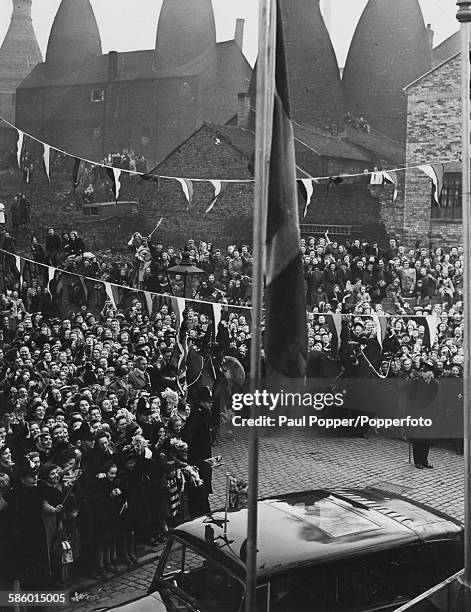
(286, 327)
(333, 180)
(153, 178)
(75, 172)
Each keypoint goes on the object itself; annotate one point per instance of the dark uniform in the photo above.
(422, 393)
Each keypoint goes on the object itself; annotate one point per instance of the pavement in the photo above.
(306, 459)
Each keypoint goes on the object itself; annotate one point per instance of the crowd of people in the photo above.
(98, 445)
(356, 277)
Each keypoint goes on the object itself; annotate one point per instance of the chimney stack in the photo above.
(239, 33)
(112, 65)
(430, 35)
(22, 8)
(243, 111)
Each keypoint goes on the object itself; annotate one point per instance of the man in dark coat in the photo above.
(197, 434)
(421, 395)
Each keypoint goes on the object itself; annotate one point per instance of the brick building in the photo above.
(434, 135)
(147, 101)
(19, 54)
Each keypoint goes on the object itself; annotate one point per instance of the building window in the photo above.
(96, 132)
(97, 95)
(450, 201)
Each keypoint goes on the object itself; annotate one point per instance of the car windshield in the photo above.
(213, 587)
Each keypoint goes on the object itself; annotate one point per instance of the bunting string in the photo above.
(187, 189)
(337, 317)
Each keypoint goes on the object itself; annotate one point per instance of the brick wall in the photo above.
(150, 116)
(434, 135)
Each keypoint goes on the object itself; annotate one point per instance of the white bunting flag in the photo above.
(217, 308)
(187, 187)
(376, 178)
(217, 190)
(435, 172)
(337, 319)
(19, 146)
(308, 185)
(432, 323)
(149, 302)
(117, 182)
(50, 277)
(47, 160)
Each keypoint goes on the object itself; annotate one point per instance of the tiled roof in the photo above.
(326, 145)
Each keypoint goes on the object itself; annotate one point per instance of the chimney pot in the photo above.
(430, 35)
(239, 33)
(112, 65)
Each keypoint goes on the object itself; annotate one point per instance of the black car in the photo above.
(349, 550)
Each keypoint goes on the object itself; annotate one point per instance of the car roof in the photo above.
(317, 527)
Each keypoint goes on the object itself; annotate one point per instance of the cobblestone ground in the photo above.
(298, 460)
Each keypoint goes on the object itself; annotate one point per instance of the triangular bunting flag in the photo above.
(333, 180)
(307, 188)
(178, 307)
(217, 309)
(435, 172)
(75, 172)
(390, 178)
(149, 302)
(47, 160)
(19, 146)
(110, 294)
(381, 325)
(187, 187)
(115, 174)
(50, 277)
(376, 178)
(219, 187)
(337, 319)
(154, 178)
(432, 324)
(19, 268)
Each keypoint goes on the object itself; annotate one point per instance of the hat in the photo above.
(428, 366)
(131, 429)
(83, 434)
(205, 395)
(128, 454)
(143, 407)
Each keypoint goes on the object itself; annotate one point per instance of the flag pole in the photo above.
(263, 138)
(464, 17)
(226, 507)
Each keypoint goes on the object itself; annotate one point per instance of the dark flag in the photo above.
(286, 327)
(153, 178)
(75, 173)
(333, 180)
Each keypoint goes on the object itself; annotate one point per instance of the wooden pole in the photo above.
(226, 507)
(464, 17)
(263, 138)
